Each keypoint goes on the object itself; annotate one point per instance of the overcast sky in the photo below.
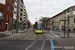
(46, 8)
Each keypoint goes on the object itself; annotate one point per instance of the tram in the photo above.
(38, 28)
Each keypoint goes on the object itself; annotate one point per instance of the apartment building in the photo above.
(23, 16)
(15, 12)
(6, 14)
(68, 13)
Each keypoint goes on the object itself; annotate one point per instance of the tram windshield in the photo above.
(39, 26)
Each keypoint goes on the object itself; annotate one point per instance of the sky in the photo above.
(45, 8)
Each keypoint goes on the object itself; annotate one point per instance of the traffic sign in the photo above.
(51, 20)
(63, 19)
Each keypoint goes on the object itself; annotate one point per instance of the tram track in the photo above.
(32, 45)
(18, 36)
(43, 42)
(21, 35)
(24, 35)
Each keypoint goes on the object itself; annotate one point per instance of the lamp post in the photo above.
(17, 16)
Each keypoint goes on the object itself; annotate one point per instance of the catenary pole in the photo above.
(17, 16)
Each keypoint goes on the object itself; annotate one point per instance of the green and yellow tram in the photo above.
(38, 28)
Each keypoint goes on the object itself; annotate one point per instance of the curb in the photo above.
(14, 35)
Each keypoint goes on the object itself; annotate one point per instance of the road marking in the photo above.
(24, 35)
(52, 45)
(31, 45)
(43, 45)
(43, 42)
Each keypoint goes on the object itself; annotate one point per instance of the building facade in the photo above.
(45, 23)
(6, 14)
(68, 13)
(23, 16)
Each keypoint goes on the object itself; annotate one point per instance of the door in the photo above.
(6, 26)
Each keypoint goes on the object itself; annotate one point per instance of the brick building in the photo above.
(6, 14)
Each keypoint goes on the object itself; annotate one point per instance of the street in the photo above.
(28, 40)
(37, 24)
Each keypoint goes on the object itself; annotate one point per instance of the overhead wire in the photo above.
(40, 6)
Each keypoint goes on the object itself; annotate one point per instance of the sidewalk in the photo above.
(71, 34)
(9, 33)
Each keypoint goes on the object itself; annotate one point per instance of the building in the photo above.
(23, 16)
(40, 17)
(68, 13)
(45, 23)
(6, 14)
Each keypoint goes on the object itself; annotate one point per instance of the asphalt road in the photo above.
(30, 41)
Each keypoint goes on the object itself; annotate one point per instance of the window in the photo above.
(15, 3)
(74, 20)
(7, 18)
(7, 0)
(21, 14)
(12, 9)
(1, 15)
(15, 9)
(12, 2)
(8, 7)
(11, 20)
(68, 20)
(24, 18)
(1, 23)
(22, 1)
(73, 13)
(21, 10)
(20, 19)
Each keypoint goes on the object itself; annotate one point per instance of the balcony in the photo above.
(20, 19)
(21, 14)
(21, 10)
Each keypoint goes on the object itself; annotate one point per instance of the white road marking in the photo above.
(31, 45)
(43, 45)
